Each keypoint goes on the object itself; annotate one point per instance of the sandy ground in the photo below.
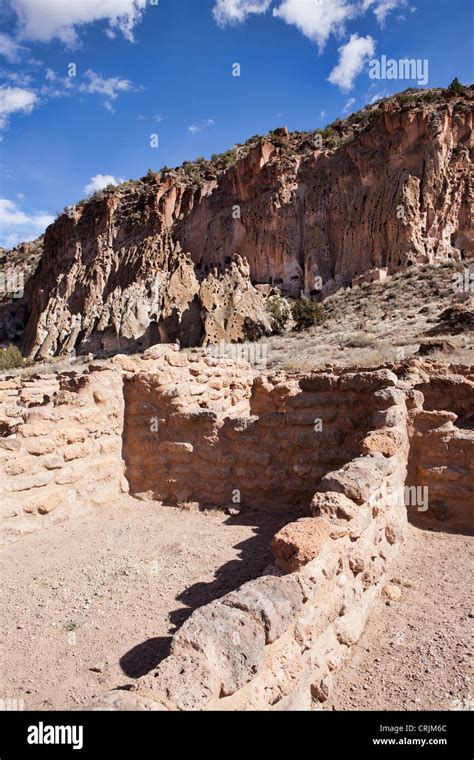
(416, 654)
(90, 604)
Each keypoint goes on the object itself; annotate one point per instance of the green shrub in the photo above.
(11, 358)
(406, 97)
(431, 96)
(280, 313)
(327, 133)
(374, 115)
(306, 314)
(152, 176)
(456, 86)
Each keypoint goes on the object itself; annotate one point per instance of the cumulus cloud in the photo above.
(352, 57)
(236, 11)
(382, 8)
(15, 100)
(9, 48)
(316, 21)
(99, 182)
(200, 125)
(12, 218)
(107, 88)
(44, 20)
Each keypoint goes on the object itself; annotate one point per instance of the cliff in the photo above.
(389, 187)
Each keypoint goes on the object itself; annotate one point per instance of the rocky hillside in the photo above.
(387, 188)
(17, 266)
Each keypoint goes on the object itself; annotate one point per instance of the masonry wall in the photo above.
(442, 448)
(60, 450)
(280, 441)
(274, 643)
(184, 426)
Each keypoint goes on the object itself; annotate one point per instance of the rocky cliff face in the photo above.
(16, 269)
(390, 187)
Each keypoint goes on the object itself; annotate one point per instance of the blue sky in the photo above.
(145, 67)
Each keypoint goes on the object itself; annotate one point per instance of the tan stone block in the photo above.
(299, 542)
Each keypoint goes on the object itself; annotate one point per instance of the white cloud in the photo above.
(200, 125)
(236, 11)
(349, 105)
(16, 78)
(12, 217)
(15, 100)
(352, 57)
(316, 21)
(377, 96)
(323, 114)
(9, 48)
(57, 87)
(44, 20)
(99, 182)
(107, 88)
(382, 8)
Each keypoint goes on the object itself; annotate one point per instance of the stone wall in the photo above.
(338, 448)
(442, 450)
(273, 643)
(60, 450)
(213, 433)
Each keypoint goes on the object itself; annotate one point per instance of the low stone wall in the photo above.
(60, 452)
(282, 437)
(339, 449)
(274, 643)
(442, 448)
(172, 419)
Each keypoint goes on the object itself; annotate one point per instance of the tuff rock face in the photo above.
(389, 188)
(119, 306)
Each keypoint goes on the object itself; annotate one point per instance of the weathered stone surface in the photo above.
(320, 382)
(183, 682)
(333, 506)
(231, 640)
(386, 442)
(357, 480)
(299, 542)
(123, 701)
(272, 602)
(370, 381)
(392, 592)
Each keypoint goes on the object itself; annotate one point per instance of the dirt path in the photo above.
(90, 604)
(415, 654)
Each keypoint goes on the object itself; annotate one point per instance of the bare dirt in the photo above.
(91, 603)
(377, 323)
(416, 653)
